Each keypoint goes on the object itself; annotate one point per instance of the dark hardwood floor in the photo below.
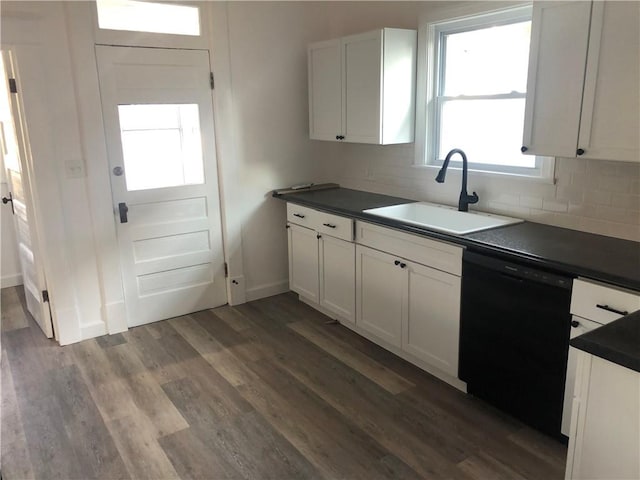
(263, 390)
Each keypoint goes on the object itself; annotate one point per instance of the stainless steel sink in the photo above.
(442, 218)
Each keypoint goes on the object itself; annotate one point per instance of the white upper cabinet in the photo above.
(582, 92)
(362, 87)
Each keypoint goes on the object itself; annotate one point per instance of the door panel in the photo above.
(303, 262)
(158, 117)
(15, 153)
(380, 294)
(337, 276)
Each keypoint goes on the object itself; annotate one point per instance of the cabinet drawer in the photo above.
(334, 225)
(435, 254)
(301, 215)
(594, 301)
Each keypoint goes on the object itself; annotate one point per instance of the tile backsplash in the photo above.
(595, 196)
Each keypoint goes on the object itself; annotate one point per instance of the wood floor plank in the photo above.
(107, 341)
(96, 452)
(483, 467)
(142, 454)
(425, 449)
(14, 314)
(201, 340)
(232, 317)
(384, 377)
(332, 442)
(193, 459)
(15, 459)
(109, 391)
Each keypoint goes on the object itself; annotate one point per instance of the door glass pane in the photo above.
(161, 145)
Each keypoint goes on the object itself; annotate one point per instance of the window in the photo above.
(161, 145)
(143, 16)
(476, 92)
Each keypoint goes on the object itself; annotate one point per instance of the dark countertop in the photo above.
(598, 257)
(618, 342)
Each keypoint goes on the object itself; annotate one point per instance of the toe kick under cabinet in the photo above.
(399, 290)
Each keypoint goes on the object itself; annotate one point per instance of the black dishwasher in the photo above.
(514, 338)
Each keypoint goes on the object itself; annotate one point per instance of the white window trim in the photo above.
(426, 125)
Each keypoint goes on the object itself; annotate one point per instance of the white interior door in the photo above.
(158, 119)
(15, 155)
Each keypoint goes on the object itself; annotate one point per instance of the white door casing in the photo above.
(171, 253)
(15, 151)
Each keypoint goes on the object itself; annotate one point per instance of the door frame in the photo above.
(9, 58)
(82, 34)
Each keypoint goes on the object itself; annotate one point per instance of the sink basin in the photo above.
(442, 218)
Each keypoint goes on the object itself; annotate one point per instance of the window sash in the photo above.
(431, 71)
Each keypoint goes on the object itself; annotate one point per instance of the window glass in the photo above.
(161, 145)
(151, 17)
(476, 98)
(487, 61)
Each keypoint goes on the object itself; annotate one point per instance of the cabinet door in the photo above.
(338, 277)
(380, 294)
(325, 90)
(431, 326)
(560, 32)
(361, 70)
(303, 262)
(611, 104)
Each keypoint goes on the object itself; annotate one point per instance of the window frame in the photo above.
(105, 36)
(430, 103)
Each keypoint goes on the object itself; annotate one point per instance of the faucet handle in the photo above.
(473, 198)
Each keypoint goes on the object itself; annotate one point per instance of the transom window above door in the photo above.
(142, 16)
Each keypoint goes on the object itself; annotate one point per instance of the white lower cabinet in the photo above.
(322, 266)
(411, 306)
(337, 276)
(380, 294)
(605, 424)
(431, 321)
(303, 262)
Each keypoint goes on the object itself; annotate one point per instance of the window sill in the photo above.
(456, 171)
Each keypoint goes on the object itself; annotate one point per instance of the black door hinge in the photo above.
(13, 86)
(211, 80)
(45, 295)
(226, 269)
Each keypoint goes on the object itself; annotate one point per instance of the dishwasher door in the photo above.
(514, 338)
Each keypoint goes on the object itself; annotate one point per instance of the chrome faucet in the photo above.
(465, 198)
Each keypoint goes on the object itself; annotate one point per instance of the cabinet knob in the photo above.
(403, 265)
(339, 137)
(318, 236)
(523, 149)
(580, 151)
(575, 323)
(287, 227)
(396, 263)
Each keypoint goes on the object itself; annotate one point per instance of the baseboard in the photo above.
(115, 317)
(11, 280)
(267, 290)
(93, 330)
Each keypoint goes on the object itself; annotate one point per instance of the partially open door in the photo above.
(19, 202)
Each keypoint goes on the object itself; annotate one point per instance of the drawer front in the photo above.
(595, 301)
(439, 255)
(334, 225)
(300, 215)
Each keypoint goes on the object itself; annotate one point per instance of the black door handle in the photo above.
(123, 209)
(6, 200)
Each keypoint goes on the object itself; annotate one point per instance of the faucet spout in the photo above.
(465, 199)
